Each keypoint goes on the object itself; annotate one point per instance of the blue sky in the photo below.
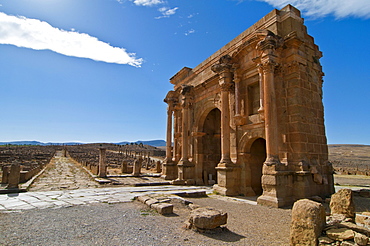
(98, 70)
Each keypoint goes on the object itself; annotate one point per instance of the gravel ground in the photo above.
(133, 224)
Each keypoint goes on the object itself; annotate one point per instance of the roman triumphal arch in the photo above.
(249, 119)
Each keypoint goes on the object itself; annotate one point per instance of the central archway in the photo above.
(256, 160)
(211, 143)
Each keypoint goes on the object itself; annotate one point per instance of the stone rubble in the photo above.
(342, 227)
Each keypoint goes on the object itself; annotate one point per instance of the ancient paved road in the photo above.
(62, 173)
(65, 183)
(68, 198)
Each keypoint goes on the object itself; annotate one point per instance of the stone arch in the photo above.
(252, 155)
(208, 143)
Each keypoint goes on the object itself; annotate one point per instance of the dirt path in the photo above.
(62, 173)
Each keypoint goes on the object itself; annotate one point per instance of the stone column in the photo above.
(271, 124)
(158, 167)
(5, 176)
(185, 167)
(169, 171)
(275, 180)
(14, 176)
(228, 173)
(176, 134)
(102, 163)
(124, 167)
(224, 70)
(137, 167)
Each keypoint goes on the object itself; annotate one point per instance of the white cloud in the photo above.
(166, 12)
(40, 35)
(189, 32)
(147, 2)
(320, 8)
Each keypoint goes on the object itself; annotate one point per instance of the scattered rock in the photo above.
(163, 208)
(325, 240)
(206, 218)
(308, 221)
(340, 234)
(342, 203)
(361, 239)
(193, 206)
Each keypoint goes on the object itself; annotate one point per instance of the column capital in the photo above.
(187, 96)
(224, 65)
(224, 68)
(269, 43)
(172, 98)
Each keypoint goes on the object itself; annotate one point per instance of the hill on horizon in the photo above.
(155, 143)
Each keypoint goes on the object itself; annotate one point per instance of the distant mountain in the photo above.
(155, 143)
(22, 143)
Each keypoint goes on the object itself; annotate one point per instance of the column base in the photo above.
(169, 171)
(186, 172)
(228, 180)
(277, 186)
(271, 201)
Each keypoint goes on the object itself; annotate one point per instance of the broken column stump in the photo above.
(308, 221)
(206, 218)
(14, 176)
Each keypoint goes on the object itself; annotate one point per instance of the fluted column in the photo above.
(275, 182)
(267, 67)
(169, 133)
(270, 112)
(185, 131)
(184, 166)
(169, 170)
(224, 70)
(228, 173)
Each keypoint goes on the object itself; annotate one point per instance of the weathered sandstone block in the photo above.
(207, 218)
(163, 208)
(342, 203)
(340, 234)
(308, 221)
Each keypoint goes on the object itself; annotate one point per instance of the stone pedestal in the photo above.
(169, 171)
(102, 163)
(14, 176)
(4, 179)
(276, 185)
(137, 167)
(124, 167)
(186, 171)
(158, 167)
(228, 181)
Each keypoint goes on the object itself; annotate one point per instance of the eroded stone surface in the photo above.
(207, 218)
(308, 220)
(342, 203)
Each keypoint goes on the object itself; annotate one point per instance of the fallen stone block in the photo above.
(207, 218)
(361, 239)
(363, 220)
(340, 234)
(143, 199)
(151, 201)
(163, 208)
(308, 221)
(342, 203)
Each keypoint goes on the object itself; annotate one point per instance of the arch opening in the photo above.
(256, 160)
(211, 143)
